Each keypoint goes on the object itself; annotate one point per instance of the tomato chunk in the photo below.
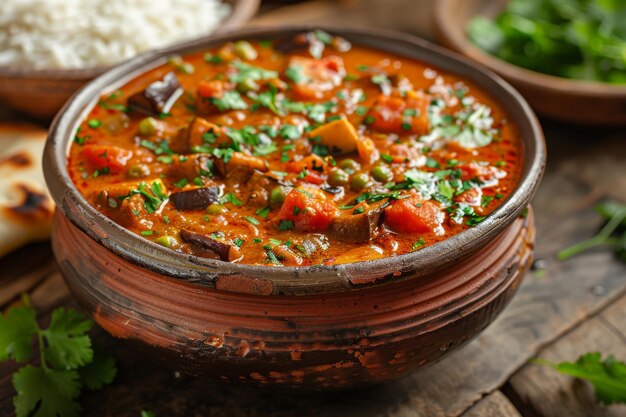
(308, 214)
(106, 157)
(400, 115)
(313, 77)
(214, 88)
(414, 215)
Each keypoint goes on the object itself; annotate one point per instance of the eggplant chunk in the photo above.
(225, 251)
(360, 227)
(296, 42)
(158, 97)
(199, 198)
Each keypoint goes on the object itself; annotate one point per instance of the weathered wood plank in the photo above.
(493, 405)
(23, 269)
(552, 394)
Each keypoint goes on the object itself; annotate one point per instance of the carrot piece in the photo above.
(308, 214)
(413, 215)
(106, 157)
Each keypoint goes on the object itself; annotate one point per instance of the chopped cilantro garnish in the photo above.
(286, 225)
(263, 212)
(473, 221)
(289, 132)
(231, 198)
(432, 163)
(94, 123)
(295, 74)
(252, 220)
(418, 244)
(159, 148)
(230, 100)
(360, 110)
(181, 183)
(320, 150)
(266, 149)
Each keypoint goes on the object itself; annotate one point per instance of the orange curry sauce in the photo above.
(302, 152)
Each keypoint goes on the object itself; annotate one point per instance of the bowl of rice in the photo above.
(49, 49)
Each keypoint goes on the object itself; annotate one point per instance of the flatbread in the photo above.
(25, 205)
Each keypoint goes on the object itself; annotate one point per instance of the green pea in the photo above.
(277, 196)
(167, 241)
(245, 50)
(381, 173)
(148, 126)
(338, 177)
(359, 181)
(349, 165)
(138, 171)
(216, 209)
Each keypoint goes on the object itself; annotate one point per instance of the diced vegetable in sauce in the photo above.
(308, 152)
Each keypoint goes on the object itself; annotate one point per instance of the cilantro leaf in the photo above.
(100, 372)
(246, 72)
(68, 345)
(145, 413)
(17, 329)
(44, 392)
(608, 376)
(230, 100)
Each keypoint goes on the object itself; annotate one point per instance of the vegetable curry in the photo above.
(302, 151)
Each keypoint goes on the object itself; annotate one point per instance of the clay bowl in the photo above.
(40, 93)
(323, 327)
(575, 101)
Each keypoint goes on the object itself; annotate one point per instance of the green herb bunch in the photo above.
(607, 376)
(67, 361)
(580, 39)
(613, 234)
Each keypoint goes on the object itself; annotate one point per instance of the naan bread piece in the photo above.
(25, 206)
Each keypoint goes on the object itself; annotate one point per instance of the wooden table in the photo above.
(570, 308)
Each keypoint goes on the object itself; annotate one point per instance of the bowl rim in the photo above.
(241, 12)
(294, 280)
(455, 37)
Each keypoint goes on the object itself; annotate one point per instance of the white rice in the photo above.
(89, 33)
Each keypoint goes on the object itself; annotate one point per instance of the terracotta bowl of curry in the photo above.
(316, 209)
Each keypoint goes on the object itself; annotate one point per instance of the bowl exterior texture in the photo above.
(312, 342)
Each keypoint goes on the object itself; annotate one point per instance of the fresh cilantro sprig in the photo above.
(607, 376)
(67, 361)
(613, 234)
(153, 194)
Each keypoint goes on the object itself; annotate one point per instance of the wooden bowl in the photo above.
(40, 93)
(560, 98)
(318, 327)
